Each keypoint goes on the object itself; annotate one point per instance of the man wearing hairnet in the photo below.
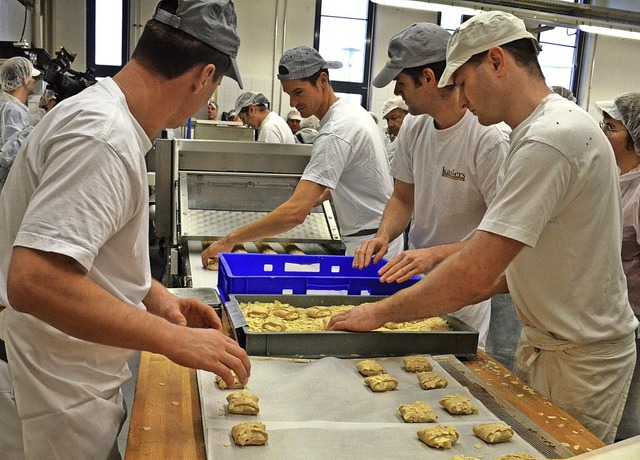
(253, 110)
(393, 112)
(621, 124)
(17, 79)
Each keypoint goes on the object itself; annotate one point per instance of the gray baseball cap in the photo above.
(302, 62)
(419, 44)
(213, 22)
(249, 98)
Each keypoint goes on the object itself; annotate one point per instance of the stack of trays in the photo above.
(461, 341)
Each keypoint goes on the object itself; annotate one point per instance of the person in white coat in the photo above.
(17, 81)
(551, 236)
(621, 124)
(253, 110)
(74, 250)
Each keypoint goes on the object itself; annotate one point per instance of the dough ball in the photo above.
(369, 367)
(243, 402)
(417, 364)
(249, 434)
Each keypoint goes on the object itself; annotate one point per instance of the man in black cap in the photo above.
(347, 162)
(74, 262)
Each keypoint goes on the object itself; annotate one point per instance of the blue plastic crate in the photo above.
(300, 274)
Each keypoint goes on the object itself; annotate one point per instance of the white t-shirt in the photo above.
(454, 173)
(558, 194)
(275, 129)
(349, 158)
(80, 189)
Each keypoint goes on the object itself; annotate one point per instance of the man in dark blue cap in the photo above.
(74, 262)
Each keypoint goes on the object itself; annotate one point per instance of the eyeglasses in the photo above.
(608, 128)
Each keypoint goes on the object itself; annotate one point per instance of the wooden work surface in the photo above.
(166, 419)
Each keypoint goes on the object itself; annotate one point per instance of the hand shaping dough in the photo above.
(381, 382)
(518, 456)
(458, 405)
(369, 367)
(418, 412)
(493, 432)
(249, 434)
(243, 402)
(223, 386)
(417, 364)
(431, 380)
(439, 436)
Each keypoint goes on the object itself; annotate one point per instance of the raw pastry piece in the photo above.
(258, 311)
(463, 457)
(273, 324)
(518, 456)
(418, 412)
(318, 312)
(243, 402)
(223, 385)
(439, 436)
(369, 367)
(381, 382)
(291, 248)
(416, 364)
(212, 264)
(264, 248)
(458, 405)
(431, 380)
(239, 248)
(493, 432)
(249, 434)
(289, 314)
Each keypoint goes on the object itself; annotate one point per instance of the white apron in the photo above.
(590, 382)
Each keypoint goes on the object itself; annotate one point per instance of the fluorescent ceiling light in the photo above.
(610, 31)
(425, 6)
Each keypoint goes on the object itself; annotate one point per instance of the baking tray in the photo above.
(207, 295)
(462, 341)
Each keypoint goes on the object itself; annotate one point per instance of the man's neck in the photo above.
(20, 94)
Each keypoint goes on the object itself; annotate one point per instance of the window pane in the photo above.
(557, 64)
(344, 40)
(353, 98)
(109, 32)
(345, 9)
(560, 36)
(450, 20)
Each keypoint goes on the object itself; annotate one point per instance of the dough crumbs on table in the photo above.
(175, 403)
(162, 384)
(146, 428)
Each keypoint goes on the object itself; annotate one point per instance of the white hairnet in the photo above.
(395, 102)
(628, 105)
(16, 72)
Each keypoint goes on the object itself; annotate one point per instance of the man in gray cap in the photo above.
(445, 160)
(253, 110)
(74, 261)
(347, 161)
(552, 235)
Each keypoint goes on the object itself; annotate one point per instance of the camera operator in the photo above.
(17, 80)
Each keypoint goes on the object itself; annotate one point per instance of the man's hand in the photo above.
(360, 318)
(374, 248)
(191, 313)
(416, 262)
(214, 249)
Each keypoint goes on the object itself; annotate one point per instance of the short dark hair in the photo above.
(171, 53)
(416, 72)
(524, 53)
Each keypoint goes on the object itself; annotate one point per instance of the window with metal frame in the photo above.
(343, 32)
(107, 36)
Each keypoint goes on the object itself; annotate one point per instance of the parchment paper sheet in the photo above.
(323, 410)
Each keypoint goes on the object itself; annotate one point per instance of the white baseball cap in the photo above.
(395, 102)
(479, 34)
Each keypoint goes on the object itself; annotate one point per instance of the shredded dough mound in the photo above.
(249, 434)
(280, 316)
(439, 436)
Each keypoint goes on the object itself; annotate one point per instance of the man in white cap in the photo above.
(253, 110)
(293, 120)
(445, 167)
(347, 161)
(552, 235)
(74, 261)
(17, 80)
(393, 112)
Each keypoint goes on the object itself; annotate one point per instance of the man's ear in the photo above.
(204, 76)
(429, 76)
(497, 59)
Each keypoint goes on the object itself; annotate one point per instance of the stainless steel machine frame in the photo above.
(191, 200)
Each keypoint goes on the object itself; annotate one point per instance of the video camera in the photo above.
(64, 81)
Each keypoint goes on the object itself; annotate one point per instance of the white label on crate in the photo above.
(291, 267)
(267, 268)
(287, 291)
(328, 292)
(335, 269)
(365, 292)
